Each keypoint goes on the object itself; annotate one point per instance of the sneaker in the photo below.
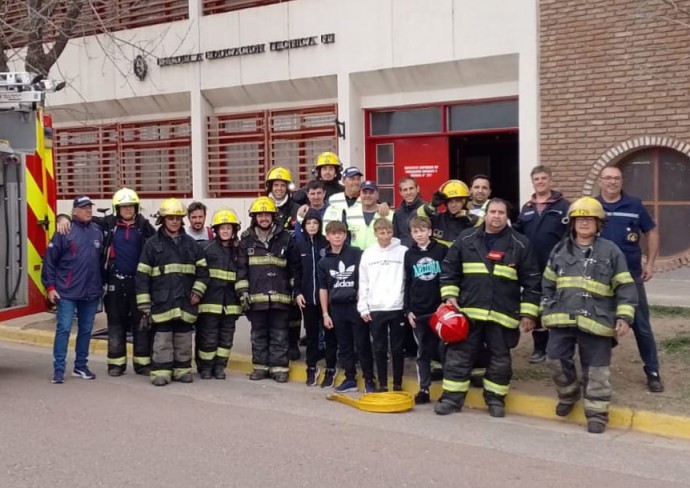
(564, 409)
(313, 376)
(83, 373)
(329, 378)
(369, 386)
(58, 378)
(537, 357)
(594, 427)
(346, 386)
(422, 398)
(497, 411)
(654, 383)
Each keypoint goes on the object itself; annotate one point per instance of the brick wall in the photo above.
(610, 71)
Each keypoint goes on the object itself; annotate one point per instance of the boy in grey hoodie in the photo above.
(381, 298)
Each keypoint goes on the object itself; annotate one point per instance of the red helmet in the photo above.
(449, 324)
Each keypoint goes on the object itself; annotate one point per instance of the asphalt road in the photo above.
(115, 432)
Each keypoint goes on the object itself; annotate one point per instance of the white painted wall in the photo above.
(387, 53)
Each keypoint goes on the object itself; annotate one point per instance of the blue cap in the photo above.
(82, 201)
(352, 171)
(369, 185)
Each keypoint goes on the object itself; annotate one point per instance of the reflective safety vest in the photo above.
(362, 235)
(268, 271)
(588, 290)
(220, 297)
(498, 286)
(167, 274)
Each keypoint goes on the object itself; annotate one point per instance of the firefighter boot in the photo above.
(293, 343)
(205, 374)
(449, 403)
(219, 371)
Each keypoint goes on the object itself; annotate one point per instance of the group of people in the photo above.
(366, 282)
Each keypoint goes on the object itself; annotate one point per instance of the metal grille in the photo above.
(242, 148)
(96, 17)
(211, 7)
(153, 158)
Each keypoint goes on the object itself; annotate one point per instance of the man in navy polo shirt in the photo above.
(626, 219)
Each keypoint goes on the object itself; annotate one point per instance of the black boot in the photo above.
(205, 374)
(449, 403)
(219, 371)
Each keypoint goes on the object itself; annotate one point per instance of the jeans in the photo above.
(86, 312)
(642, 327)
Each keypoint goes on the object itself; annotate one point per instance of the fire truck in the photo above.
(27, 191)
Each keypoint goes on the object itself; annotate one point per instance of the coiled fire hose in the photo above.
(386, 402)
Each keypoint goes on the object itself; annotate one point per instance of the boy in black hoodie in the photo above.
(312, 247)
(338, 284)
(423, 296)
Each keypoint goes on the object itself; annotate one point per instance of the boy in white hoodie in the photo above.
(381, 299)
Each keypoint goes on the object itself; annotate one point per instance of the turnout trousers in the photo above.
(461, 358)
(270, 340)
(172, 350)
(595, 361)
(215, 334)
(121, 309)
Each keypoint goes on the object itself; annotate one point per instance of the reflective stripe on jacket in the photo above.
(220, 297)
(588, 289)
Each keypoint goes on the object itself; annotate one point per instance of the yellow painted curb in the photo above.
(516, 403)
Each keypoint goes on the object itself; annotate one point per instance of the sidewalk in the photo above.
(671, 288)
(39, 330)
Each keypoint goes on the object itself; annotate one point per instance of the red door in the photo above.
(423, 158)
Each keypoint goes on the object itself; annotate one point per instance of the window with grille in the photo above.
(96, 17)
(153, 158)
(218, 6)
(243, 147)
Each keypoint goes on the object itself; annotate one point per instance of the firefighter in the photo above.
(589, 299)
(278, 186)
(328, 170)
(220, 307)
(449, 224)
(124, 235)
(171, 279)
(268, 265)
(491, 274)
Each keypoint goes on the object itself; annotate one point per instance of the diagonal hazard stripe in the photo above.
(34, 197)
(34, 263)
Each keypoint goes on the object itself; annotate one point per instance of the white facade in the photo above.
(386, 53)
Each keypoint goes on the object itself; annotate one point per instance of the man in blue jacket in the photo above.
(541, 221)
(72, 277)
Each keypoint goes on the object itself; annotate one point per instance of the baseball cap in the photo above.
(82, 201)
(352, 171)
(369, 185)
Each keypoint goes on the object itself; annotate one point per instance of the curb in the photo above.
(516, 403)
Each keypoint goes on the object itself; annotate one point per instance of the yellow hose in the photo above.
(388, 402)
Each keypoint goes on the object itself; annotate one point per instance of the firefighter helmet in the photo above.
(328, 159)
(455, 189)
(279, 173)
(586, 207)
(125, 196)
(224, 216)
(172, 206)
(261, 205)
(450, 324)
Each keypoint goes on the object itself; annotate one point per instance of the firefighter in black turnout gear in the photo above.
(490, 274)
(269, 264)
(220, 307)
(124, 235)
(171, 279)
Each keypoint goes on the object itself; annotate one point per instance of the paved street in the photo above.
(124, 432)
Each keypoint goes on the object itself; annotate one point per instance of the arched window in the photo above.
(661, 178)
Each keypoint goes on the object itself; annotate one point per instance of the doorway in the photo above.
(494, 155)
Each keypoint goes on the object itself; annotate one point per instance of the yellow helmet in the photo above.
(172, 206)
(586, 207)
(125, 196)
(278, 173)
(328, 159)
(455, 189)
(262, 204)
(224, 216)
